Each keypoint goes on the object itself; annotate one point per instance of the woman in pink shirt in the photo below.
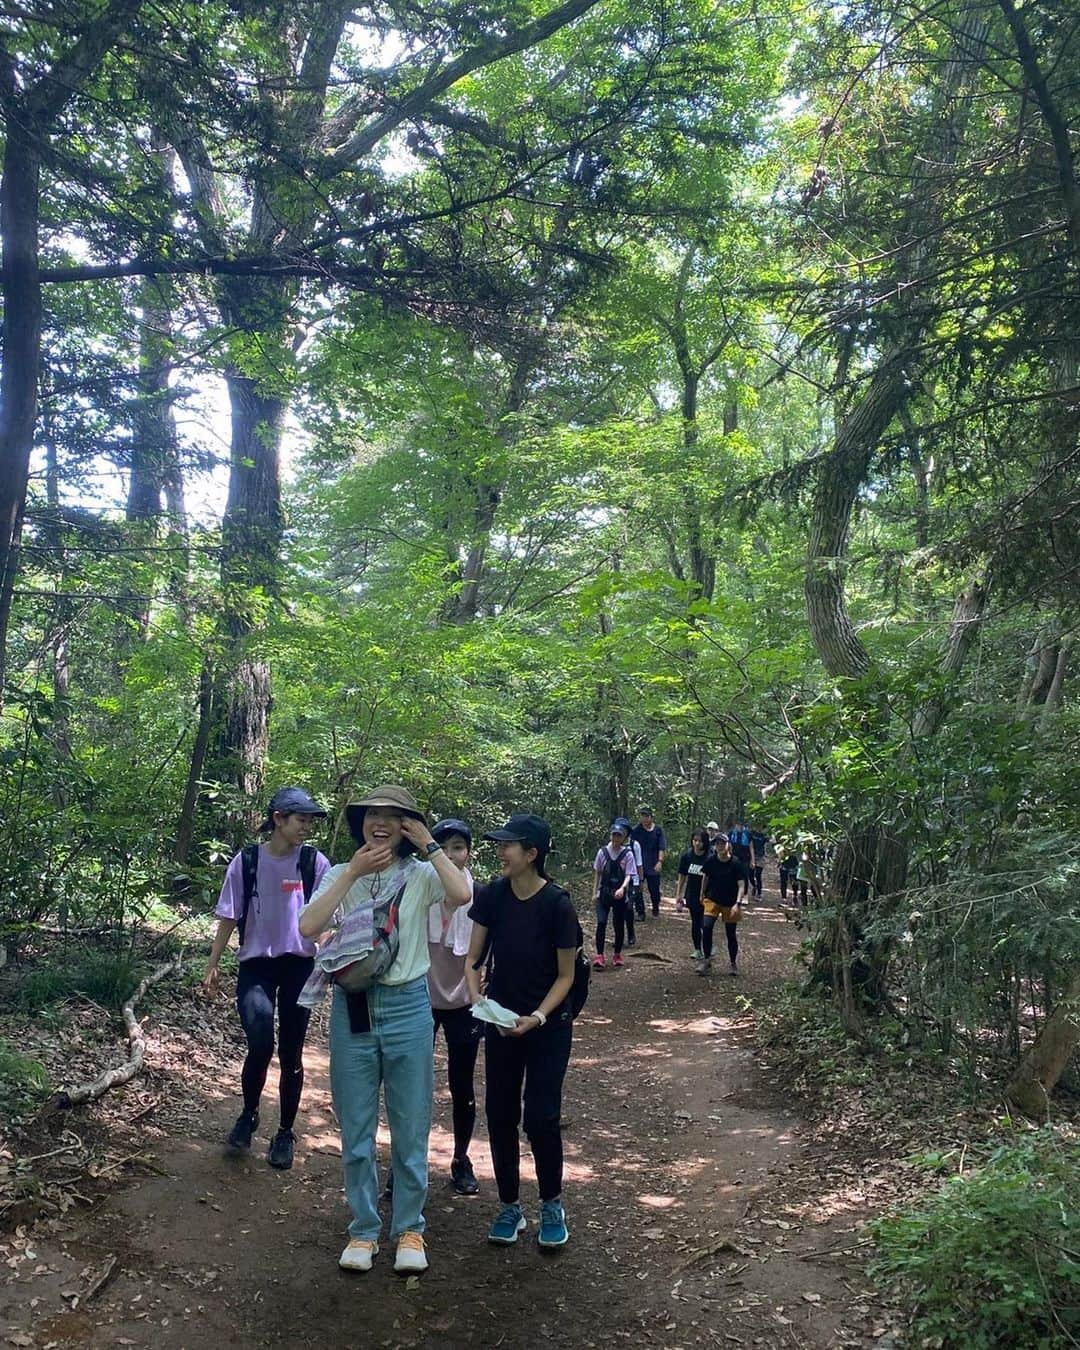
(449, 932)
(266, 886)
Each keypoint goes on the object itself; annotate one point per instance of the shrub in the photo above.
(992, 1255)
(21, 1077)
(106, 977)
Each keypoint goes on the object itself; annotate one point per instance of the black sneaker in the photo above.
(280, 1153)
(462, 1177)
(247, 1122)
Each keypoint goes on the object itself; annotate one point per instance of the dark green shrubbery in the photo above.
(993, 1257)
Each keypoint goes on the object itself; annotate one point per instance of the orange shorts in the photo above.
(729, 913)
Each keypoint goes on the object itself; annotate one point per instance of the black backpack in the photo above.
(612, 877)
(249, 872)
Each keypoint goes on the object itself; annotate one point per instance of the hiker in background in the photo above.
(723, 893)
(650, 837)
(635, 896)
(788, 862)
(615, 872)
(739, 841)
(713, 832)
(531, 929)
(449, 932)
(265, 888)
(759, 843)
(688, 887)
(807, 875)
(381, 1038)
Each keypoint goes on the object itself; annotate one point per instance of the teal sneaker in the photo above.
(509, 1222)
(553, 1230)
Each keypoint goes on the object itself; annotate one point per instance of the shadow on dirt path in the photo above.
(691, 1219)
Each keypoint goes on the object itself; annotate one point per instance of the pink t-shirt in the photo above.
(273, 916)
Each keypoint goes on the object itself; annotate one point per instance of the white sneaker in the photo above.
(358, 1255)
(411, 1259)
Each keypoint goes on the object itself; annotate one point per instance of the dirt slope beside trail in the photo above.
(692, 1220)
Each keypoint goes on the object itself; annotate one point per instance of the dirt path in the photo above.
(691, 1195)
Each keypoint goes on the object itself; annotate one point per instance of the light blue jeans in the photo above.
(396, 1053)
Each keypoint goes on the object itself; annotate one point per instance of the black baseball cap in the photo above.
(524, 829)
(443, 829)
(289, 801)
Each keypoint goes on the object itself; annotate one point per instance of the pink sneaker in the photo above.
(598, 962)
(618, 960)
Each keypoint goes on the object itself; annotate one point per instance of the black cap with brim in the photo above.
(533, 831)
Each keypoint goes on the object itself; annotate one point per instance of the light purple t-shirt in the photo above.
(609, 854)
(272, 927)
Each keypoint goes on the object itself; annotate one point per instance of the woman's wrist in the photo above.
(540, 1017)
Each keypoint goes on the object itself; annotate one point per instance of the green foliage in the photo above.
(105, 977)
(23, 1079)
(992, 1259)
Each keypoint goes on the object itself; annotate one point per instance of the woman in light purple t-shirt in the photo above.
(275, 960)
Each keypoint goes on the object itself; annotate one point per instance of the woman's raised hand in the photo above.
(370, 858)
(416, 832)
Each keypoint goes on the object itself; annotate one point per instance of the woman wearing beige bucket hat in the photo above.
(381, 1037)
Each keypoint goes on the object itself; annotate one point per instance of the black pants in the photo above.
(262, 982)
(756, 875)
(652, 880)
(607, 904)
(462, 1032)
(786, 876)
(731, 931)
(697, 917)
(634, 901)
(538, 1062)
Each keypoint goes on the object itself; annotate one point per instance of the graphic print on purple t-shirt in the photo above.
(272, 925)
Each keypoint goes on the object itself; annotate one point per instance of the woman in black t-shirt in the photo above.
(535, 935)
(688, 886)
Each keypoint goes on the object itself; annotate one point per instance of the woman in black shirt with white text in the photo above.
(688, 886)
(534, 936)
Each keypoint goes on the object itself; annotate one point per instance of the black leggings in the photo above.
(462, 1031)
(262, 981)
(697, 916)
(756, 875)
(536, 1062)
(785, 877)
(633, 897)
(607, 904)
(731, 931)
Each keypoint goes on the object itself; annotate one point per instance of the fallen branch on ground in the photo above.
(121, 1073)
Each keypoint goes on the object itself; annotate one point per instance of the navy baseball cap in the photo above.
(527, 829)
(620, 825)
(443, 829)
(289, 801)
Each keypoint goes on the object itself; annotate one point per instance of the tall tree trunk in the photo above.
(1038, 1072)
(29, 112)
(19, 205)
(251, 535)
(185, 828)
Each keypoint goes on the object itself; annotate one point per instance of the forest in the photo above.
(558, 407)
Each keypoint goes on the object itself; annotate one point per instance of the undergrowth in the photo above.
(23, 1079)
(105, 977)
(991, 1260)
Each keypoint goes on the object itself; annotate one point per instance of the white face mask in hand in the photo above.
(487, 1010)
